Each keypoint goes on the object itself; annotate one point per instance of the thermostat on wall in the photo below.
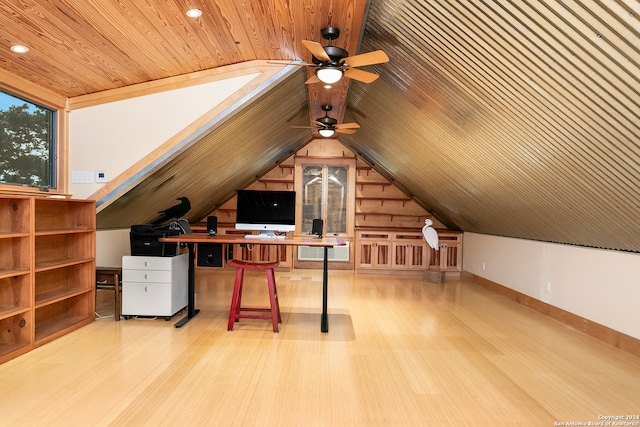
(101, 176)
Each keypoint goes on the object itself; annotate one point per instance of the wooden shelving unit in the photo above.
(16, 331)
(47, 270)
(380, 204)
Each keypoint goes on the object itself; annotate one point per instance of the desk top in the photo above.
(294, 241)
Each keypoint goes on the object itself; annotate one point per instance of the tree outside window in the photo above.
(27, 143)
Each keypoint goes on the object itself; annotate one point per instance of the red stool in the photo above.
(236, 310)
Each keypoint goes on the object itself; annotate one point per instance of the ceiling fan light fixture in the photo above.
(326, 132)
(329, 75)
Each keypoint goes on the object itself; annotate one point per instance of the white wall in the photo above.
(111, 246)
(600, 285)
(114, 136)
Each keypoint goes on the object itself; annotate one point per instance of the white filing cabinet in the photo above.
(154, 286)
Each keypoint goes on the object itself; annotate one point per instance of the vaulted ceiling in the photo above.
(514, 118)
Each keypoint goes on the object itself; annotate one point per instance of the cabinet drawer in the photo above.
(146, 299)
(147, 263)
(146, 276)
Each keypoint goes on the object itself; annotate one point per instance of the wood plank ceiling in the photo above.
(513, 118)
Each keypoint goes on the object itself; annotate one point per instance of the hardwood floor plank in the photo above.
(400, 351)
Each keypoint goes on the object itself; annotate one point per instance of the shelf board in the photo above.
(365, 214)
(6, 312)
(60, 263)
(273, 180)
(57, 326)
(11, 350)
(59, 231)
(381, 183)
(4, 274)
(10, 234)
(404, 200)
(52, 297)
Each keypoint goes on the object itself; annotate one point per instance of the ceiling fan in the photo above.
(328, 126)
(332, 62)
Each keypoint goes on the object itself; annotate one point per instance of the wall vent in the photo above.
(315, 253)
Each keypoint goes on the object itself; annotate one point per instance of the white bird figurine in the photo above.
(430, 234)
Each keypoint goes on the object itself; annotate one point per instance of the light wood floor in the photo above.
(400, 352)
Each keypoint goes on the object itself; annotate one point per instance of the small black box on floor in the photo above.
(144, 240)
(210, 255)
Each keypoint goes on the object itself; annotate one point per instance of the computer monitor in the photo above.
(266, 211)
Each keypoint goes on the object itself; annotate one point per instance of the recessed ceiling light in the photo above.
(18, 48)
(194, 13)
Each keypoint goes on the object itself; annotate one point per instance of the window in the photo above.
(27, 143)
(325, 195)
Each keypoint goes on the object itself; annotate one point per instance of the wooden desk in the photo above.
(193, 239)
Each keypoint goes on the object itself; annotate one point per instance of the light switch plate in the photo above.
(81, 177)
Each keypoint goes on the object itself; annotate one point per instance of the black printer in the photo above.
(144, 240)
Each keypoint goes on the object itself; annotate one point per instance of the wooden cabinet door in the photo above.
(364, 254)
(373, 250)
(382, 252)
(410, 256)
(409, 251)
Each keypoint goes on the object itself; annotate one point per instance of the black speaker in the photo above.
(316, 227)
(210, 254)
(212, 225)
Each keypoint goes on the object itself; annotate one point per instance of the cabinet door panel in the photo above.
(364, 255)
(383, 255)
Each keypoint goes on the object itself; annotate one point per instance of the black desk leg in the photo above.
(324, 321)
(191, 291)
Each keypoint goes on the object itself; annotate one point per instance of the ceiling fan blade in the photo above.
(347, 126)
(347, 131)
(375, 57)
(313, 79)
(362, 76)
(316, 50)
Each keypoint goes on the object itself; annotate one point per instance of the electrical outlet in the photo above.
(484, 266)
(548, 286)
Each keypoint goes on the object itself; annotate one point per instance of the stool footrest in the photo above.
(255, 309)
(252, 316)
